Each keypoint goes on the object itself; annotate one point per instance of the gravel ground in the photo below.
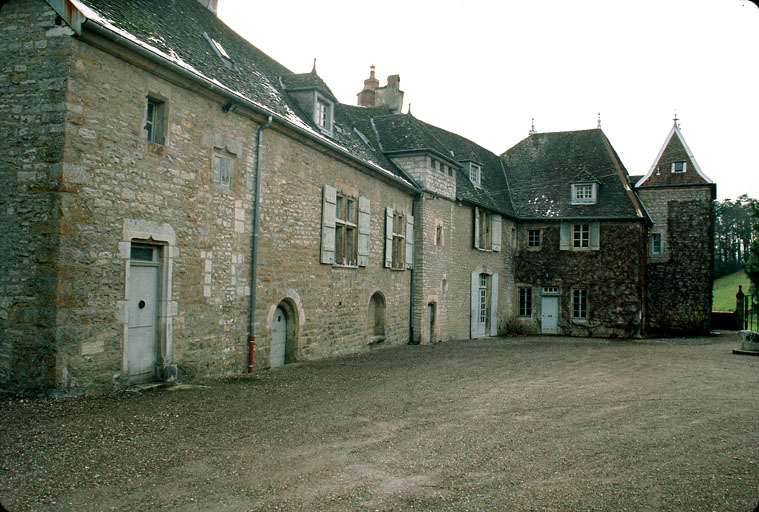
(518, 424)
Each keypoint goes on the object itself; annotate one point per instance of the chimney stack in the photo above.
(366, 96)
(209, 4)
(389, 96)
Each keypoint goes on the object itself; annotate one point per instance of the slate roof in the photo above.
(542, 168)
(403, 133)
(173, 31)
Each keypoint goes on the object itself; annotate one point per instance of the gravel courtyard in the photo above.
(507, 424)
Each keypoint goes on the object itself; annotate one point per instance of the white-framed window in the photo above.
(656, 244)
(581, 236)
(475, 174)
(679, 166)
(580, 304)
(533, 238)
(584, 193)
(484, 294)
(487, 230)
(323, 112)
(346, 229)
(525, 302)
(155, 120)
(222, 169)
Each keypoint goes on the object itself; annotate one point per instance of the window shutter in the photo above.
(329, 205)
(364, 215)
(388, 237)
(476, 227)
(565, 236)
(595, 236)
(160, 123)
(409, 241)
(494, 304)
(475, 306)
(496, 231)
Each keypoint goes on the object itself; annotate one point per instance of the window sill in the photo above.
(398, 269)
(375, 339)
(338, 265)
(155, 147)
(484, 250)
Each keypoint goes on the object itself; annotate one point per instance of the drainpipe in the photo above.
(414, 212)
(254, 256)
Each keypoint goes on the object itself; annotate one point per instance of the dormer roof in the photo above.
(674, 152)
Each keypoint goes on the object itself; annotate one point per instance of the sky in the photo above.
(485, 68)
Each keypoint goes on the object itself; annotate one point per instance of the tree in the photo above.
(752, 265)
(733, 234)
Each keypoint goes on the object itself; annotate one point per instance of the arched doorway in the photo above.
(283, 335)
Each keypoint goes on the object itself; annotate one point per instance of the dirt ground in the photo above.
(518, 424)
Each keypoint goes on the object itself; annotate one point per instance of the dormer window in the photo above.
(475, 174)
(679, 166)
(220, 51)
(323, 113)
(584, 193)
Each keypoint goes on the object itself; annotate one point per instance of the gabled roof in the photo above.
(176, 34)
(674, 149)
(307, 82)
(542, 168)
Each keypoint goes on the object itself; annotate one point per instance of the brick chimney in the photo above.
(366, 96)
(389, 96)
(209, 4)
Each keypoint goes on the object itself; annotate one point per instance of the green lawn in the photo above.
(725, 289)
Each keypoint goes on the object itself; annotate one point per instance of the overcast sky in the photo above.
(484, 69)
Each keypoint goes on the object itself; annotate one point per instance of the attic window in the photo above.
(584, 193)
(679, 166)
(219, 50)
(323, 113)
(475, 174)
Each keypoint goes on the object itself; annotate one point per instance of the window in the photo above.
(580, 236)
(584, 193)
(475, 174)
(484, 310)
(346, 232)
(485, 227)
(399, 240)
(155, 121)
(439, 234)
(345, 228)
(487, 230)
(533, 238)
(679, 166)
(580, 304)
(525, 302)
(221, 169)
(656, 246)
(323, 114)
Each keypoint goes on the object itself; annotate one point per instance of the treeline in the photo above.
(734, 221)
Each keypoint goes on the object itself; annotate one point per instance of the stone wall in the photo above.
(611, 275)
(33, 75)
(680, 283)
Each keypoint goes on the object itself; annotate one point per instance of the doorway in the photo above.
(142, 347)
(549, 306)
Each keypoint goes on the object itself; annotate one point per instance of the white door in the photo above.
(142, 346)
(550, 315)
(278, 338)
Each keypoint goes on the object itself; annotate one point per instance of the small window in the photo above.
(533, 238)
(475, 174)
(679, 166)
(346, 230)
(484, 312)
(580, 304)
(584, 193)
(525, 302)
(155, 121)
(399, 240)
(323, 114)
(581, 236)
(439, 235)
(656, 245)
(222, 169)
(139, 252)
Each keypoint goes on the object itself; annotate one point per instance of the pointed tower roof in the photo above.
(674, 164)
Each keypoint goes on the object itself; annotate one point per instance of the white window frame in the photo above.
(155, 120)
(580, 304)
(584, 193)
(475, 174)
(330, 223)
(674, 166)
(323, 112)
(220, 175)
(581, 236)
(567, 238)
(656, 239)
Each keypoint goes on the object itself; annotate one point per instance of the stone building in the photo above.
(156, 164)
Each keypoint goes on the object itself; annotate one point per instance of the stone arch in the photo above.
(376, 318)
(291, 305)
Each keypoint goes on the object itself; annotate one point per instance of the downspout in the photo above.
(254, 250)
(414, 212)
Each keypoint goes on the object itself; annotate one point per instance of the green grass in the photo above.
(725, 289)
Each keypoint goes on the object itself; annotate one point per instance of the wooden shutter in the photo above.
(494, 304)
(388, 237)
(476, 228)
(496, 231)
(409, 241)
(565, 236)
(329, 206)
(364, 217)
(159, 124)
(474, 328)
(595, 236)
